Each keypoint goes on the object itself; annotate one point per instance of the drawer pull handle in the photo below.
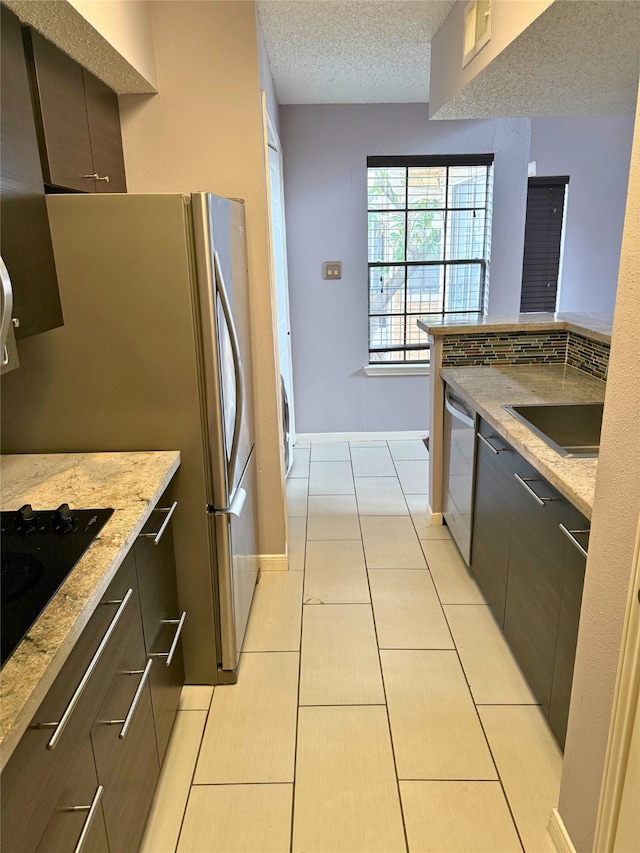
(134, 703)
(64, 719)
(174, 645)
(569, 534)
(490, 446)
(524, 481)
(92, 809)
(158, 536)
(96, 177)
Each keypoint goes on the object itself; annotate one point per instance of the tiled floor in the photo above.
(378, 706)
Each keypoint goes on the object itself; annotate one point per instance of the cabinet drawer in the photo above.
(36, 774)
(124, 746)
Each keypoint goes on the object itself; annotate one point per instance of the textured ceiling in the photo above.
(577, 58)
(362, 51)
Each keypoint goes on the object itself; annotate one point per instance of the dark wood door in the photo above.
(25, 237)
(104, 131)
(61, 116)
(534, 589)
(160, 620)
(493, 502)
(572, 584)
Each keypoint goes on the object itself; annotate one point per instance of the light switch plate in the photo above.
(332, 270)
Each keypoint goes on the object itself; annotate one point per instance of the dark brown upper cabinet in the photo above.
(24, 236)
(78, 122)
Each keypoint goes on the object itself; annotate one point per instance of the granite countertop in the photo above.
(131, 483)
(488, 389)
(595, 326)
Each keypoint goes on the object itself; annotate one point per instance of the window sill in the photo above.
(397, 369)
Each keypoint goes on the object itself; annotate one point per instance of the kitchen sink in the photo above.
(572, 429)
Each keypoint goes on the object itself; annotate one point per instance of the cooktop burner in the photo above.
(39, 550)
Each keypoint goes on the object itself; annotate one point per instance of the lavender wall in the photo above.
(595, 151)
(325, 150)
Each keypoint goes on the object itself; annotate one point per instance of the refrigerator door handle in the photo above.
(7, 308)
(237, 364)
(236, 506)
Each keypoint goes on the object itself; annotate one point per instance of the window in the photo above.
(542, 243)
(429, 222)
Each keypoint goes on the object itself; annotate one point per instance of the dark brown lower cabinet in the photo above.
(495, 489)
(529, 570)
(161, 619)
(100, 775)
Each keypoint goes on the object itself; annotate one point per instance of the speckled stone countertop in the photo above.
(595, 326)
(488, 389)
(131, 483)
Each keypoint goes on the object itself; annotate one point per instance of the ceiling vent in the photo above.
(477, 28)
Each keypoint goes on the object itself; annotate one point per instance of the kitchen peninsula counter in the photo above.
(131, 483)
(495, 342)
(488, 389)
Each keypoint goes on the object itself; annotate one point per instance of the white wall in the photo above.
(614, 524)
(595, 152)
(325, 151)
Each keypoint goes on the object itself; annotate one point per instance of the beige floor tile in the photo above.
(297, 491)
(346, 791)
(330, 451)
(335, 573)
(408, 449)
(447, 817)
(417, 507)
(170, 798)
(250, 733)
(297, 543)
(372, 462)
(453, 580)
(435, 531)
(371, 443)
(491, 669)
(413, 476)
(302, 444)
(300, 467)
(407, 611)
(237, 819)
(339, 664)
(390, 542)
(435, 729)
(276, 613)
(530, 764)
(195, 697)
(333, 517)
(380, 496)
(330, 478)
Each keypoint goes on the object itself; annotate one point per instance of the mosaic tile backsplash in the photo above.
(546, 347)
(590, 356)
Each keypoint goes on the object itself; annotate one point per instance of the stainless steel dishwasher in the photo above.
(457, 469)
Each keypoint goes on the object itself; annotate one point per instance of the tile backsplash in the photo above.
(541, 347)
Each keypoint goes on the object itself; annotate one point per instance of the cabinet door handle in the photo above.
(174, 645)
(134, 703)
(158, 536)
(105, 179)
(493, 449)
(569, 534)
(92, 809)
(64, 719)
(524, 481)
(96, 177)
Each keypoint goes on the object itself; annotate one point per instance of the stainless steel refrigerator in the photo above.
(155, 354)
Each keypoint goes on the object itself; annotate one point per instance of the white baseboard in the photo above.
(273, 562)
(400, 435)
(559, 835)
(434, 519)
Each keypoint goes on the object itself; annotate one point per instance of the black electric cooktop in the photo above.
(39, 549)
